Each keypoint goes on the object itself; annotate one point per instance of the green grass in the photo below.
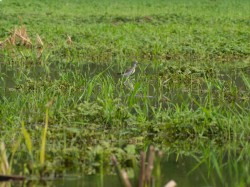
(189, 95)
(161, 31)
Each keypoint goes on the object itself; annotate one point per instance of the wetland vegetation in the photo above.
(64, 109)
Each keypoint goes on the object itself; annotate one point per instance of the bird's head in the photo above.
(135, 63)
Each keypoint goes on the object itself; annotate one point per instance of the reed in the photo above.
(44, 132)
(146, 179)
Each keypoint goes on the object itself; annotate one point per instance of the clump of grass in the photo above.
(18, 36)
(34, 164)
(21, 43)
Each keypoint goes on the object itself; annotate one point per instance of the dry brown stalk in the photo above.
(122, 174)
(142, 170)
(12, 38)
(69, 40)
(24, 35)
(145, 177)
(39, 41)
(24, 40)
(21, 33)
(150, 165)
(40, 46)
(126, 179)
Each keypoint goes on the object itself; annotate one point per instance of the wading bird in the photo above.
(130, 71)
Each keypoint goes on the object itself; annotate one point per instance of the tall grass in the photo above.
(44, 133)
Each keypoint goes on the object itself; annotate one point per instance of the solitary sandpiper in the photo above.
(130, 71)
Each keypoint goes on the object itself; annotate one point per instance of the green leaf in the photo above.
(27, 138)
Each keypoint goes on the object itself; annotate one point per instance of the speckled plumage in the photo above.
(130, 71)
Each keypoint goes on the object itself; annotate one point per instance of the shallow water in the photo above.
(171, 83)
(172, 168)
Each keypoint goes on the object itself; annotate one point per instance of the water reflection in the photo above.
(185, 170)
(159, 87)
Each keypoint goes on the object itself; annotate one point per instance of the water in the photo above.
(179, 170)
(175, 84)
